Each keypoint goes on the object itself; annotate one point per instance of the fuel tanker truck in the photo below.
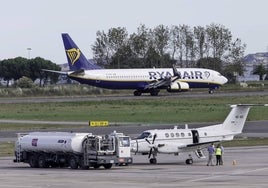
(74, 150)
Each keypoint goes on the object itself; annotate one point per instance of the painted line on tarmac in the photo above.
(222, 175)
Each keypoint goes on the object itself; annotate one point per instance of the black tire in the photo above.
(154, 93)
(33, 161)
(153, 161)
(42, 163)
(96, 166)
(211, 91)
(137, 93)
(189, 161)
(73, 164)
(108, 166)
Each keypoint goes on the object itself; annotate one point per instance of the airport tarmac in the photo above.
(243, 167)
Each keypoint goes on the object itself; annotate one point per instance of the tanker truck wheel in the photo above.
(73, 163)
(33, 161)
(108, 166)
(42, 163)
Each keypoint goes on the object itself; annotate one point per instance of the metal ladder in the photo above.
(18, 148)
(199, 153)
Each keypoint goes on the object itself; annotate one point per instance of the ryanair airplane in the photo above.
(150, 80)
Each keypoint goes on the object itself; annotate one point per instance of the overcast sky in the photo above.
(38, 24)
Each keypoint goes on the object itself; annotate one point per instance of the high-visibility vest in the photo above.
(218, 151)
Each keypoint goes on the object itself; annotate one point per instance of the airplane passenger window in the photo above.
(167, 135)
(205, 134)
(177, 134)
(182, 134)
(172, 134)
(189, 134)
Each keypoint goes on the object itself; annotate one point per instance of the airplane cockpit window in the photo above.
(144, 135)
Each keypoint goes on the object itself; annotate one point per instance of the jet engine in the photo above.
(178, 86)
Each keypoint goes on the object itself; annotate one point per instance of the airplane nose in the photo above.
(224, 80)
(134, 146)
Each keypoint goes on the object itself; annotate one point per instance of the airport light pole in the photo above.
(29, 52)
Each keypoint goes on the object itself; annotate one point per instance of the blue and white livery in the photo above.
(149, 80)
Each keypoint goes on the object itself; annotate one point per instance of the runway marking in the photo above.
(211, 176)
(14, 186)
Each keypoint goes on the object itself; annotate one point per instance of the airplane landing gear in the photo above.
(211, 91)
(137, 93)
(153, 161)
(190, 160)
(153, 92)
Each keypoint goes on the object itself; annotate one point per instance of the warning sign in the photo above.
(98, 123)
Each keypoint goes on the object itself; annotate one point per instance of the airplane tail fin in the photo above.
(236, 119)
(75, 57)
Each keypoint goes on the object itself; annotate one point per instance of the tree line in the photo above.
(16, 68)
(211, 47)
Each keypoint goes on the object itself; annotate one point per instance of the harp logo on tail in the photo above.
(73, 55)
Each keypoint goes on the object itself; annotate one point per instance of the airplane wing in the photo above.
(69, 73)
(194, 147)
(80, 72)
(58, 72)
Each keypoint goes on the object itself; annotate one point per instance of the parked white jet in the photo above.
(140, 80)
(175, 141)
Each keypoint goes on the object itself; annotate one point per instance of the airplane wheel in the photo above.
(153, 161)
(211, 91)
(154, 93)
(137, 93)
(189, 161)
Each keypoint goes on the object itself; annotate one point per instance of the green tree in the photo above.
(14, 69)
(218, 38)
(161, 45)
(200, 39)
(260, 70)
(234, 64)
(138, 42)
(107, 45)
(25, 82)
(160, 37)
(210, 63)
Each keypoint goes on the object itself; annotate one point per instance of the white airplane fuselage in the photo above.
(140, 78)
(174, 141)
(169, 141)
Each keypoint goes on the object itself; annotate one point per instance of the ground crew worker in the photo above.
(222, 151)
(218, 153)
(211, 151)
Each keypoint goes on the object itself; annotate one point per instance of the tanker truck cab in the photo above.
(123, 148)
(74, 150)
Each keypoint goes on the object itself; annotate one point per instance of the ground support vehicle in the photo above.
(74, 150)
